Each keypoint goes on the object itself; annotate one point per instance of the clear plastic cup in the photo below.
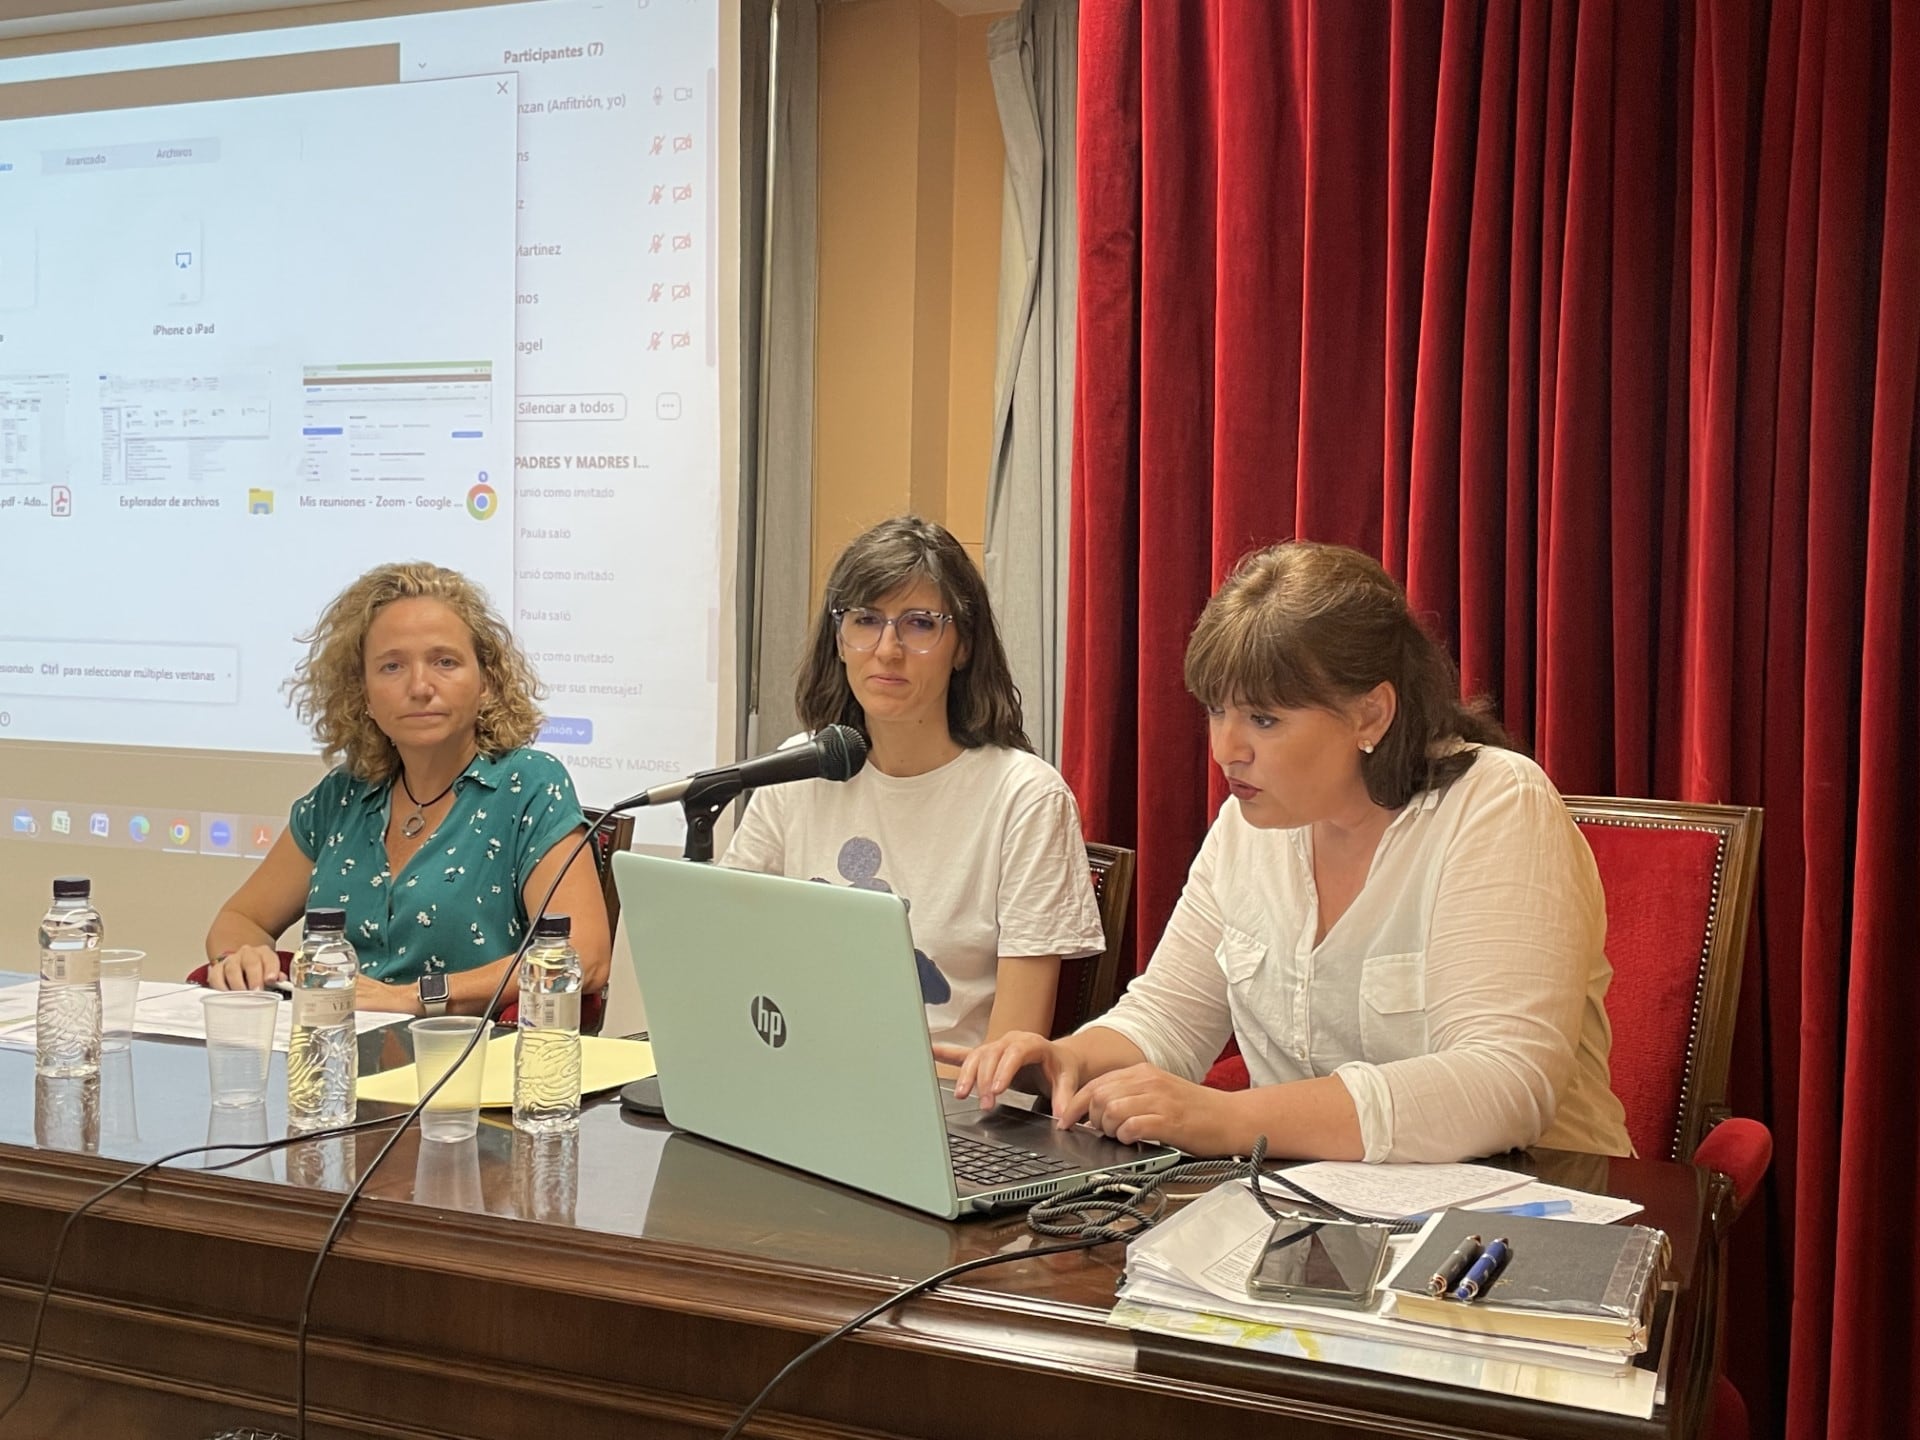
(454, 1111)
(239, 1044)
(119, 990)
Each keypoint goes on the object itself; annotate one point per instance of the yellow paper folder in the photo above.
(605, 1064)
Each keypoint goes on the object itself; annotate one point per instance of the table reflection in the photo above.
(66, 1112)
(447, 1173)
(546, 1177)
(119, 1107)
(235, 1128)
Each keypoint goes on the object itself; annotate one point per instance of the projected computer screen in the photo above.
(279, 306)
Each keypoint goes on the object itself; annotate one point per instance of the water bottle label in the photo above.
(322, 1009)
(552, 1011)
(72, 967)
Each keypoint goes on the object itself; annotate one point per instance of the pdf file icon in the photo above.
(62, 502)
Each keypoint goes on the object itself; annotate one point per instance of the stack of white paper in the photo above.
(162, 1009)
(1188, 1277)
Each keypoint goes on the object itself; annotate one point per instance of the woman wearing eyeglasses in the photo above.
(953, 812)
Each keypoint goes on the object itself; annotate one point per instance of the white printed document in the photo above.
(163, 1008)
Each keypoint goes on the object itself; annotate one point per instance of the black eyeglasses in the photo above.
(861, 627)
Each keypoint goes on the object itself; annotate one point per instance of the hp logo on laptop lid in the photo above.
(768, 1023)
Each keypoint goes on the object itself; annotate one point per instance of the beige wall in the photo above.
(910, 175)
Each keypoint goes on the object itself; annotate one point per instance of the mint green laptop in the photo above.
(786, 1021)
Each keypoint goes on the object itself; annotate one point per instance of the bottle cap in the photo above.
(326, 917)
(553, 927)
(72, 887)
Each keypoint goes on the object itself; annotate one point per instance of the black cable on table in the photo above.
(406, 1121)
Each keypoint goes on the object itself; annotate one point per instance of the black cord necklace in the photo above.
(417, 821)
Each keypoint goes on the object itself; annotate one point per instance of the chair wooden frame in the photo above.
(1094, 982)
(1716, 997)
(608, 841)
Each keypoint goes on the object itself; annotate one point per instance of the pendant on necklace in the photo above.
(416, 822)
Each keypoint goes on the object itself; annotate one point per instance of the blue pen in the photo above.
(1492, 1260)
(1532, 1207)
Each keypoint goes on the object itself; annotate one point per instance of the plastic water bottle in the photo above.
(323, 1054)
(67, 1040)
(546, 1056)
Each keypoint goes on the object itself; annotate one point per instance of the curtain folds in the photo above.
(780, 206)
(1600, 324)
(1032, 57)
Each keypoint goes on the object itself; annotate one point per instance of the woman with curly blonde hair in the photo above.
(438, 828)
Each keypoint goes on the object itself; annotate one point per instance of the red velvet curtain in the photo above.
(1600, 324)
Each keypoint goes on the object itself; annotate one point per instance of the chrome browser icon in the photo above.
(482, 501)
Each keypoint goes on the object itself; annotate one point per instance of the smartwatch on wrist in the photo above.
(433, 994)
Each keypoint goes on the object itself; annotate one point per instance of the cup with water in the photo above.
(439, 1042)
(239, 1043)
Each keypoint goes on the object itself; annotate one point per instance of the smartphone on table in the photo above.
(1320, 1262)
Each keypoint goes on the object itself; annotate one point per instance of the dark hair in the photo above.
(983, 703)
(1302, 625)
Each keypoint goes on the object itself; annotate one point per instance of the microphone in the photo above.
(835, 753)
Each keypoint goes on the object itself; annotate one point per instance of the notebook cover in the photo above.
(1606, 1274)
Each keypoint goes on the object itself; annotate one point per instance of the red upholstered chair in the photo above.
(1089, 986)
(1679, 881)
(608, 841)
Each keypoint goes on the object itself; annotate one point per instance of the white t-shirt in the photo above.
(1460, 999)
(986, 851)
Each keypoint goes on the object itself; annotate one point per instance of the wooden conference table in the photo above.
(647, 1284)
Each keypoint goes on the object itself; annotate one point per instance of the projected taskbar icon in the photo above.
(141, 827)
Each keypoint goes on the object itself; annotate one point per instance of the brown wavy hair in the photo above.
(983, 703)
(1302, 625)
(329, 686)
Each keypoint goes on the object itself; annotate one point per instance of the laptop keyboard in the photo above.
(987, 1162)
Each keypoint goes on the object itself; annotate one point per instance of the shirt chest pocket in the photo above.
(1393, 1006)
(1240, 956)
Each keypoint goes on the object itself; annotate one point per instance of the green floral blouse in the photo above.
(457, 903)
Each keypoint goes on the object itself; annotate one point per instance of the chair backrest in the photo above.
(608, 841)
(1679, 881)
(1089, 986)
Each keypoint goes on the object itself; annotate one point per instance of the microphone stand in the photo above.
(702, 804)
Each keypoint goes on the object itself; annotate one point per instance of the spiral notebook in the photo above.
(1565, 1283)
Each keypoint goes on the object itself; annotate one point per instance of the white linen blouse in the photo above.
(1460, 998)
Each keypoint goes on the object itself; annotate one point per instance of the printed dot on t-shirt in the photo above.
(860, 863)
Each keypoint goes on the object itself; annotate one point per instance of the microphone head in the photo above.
(843, 750)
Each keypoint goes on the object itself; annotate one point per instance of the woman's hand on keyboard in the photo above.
(989, 1069)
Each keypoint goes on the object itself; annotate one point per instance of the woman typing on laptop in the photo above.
(952, 812)
(1393, 913)
(438, 827)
